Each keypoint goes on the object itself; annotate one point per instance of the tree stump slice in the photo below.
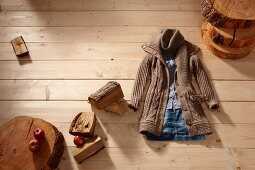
(231, 37)
(225, 19)
(222, 51)
(15, 136)
(238, 9)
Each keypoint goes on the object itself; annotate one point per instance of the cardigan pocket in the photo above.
(194, 103)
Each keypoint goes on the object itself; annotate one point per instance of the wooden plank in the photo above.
(90, 51)
(81, 89)
(113, 69)
(76, 5)
(92, 33)
(164, 159)
(55, 90)
(126, 135)
(76, 51)
(99, 18)
(65, 111)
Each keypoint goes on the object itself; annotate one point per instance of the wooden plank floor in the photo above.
(77, 46)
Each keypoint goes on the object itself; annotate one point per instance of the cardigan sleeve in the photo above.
(143, 73)
(203, 82)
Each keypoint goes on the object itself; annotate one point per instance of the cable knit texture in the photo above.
(152, 84)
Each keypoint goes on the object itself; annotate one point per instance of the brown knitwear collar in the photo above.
(172, 37)
(171, 40)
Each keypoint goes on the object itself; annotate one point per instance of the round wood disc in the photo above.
(236, 38)
(223, 51)
(15, 136)
(220, 20)
(237, 9)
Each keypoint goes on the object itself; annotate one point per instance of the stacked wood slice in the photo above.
(228, 30)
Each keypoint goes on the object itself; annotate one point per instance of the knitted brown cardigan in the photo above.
(154, 72)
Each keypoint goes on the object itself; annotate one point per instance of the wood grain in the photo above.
(90, 34)
(222, 48)
(90, 51)
(111, 5)
(166, 158)
(71, 42)
(17, 153)
(236, 9)
(91, 147)
(112, 69)
(127, 136)
(53, 111)
(48, 90)
(100, 18)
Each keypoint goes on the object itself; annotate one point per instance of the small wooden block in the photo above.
(109, 93)
(119, 107)
(90, 147)
(19, 46)
(83, 124)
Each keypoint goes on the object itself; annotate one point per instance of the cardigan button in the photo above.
(184, 108)
(143, 46)
(188, 122)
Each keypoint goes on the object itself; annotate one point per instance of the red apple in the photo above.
(34, 145)
(78, 140)
(39, 134)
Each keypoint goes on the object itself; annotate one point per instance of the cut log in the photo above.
(223, 51)
(238, 9)
(19, 46)
(119, 107)
(109, 93)
(83, 124)
(14, 139)
(231, 37)
(220, 20)
(90, 147)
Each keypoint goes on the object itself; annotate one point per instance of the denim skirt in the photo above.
(174, 128)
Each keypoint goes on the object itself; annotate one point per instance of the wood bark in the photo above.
(15, 136)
